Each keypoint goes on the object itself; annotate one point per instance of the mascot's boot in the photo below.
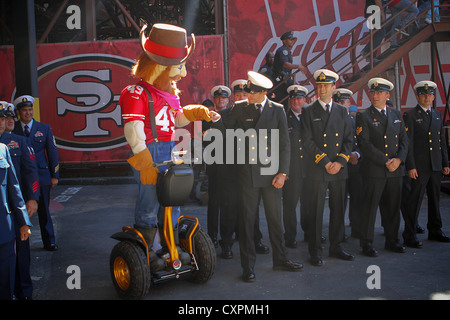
(149, 234)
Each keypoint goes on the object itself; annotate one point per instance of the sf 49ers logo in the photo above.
(79, 98)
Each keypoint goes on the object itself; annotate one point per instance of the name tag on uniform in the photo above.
(248, 119)
(317, 119)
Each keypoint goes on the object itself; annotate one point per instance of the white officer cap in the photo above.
(341, 94)
(220, 91)
(238, 85)
(6, 109)
(326, 76)
(380, 84)
(297, 91)
(23, 101)
(257, 82)
(425, 87)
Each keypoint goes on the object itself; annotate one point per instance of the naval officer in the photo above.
(383, 143)
(426, 162)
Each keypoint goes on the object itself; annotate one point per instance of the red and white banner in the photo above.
(80, 84)
(255, 27)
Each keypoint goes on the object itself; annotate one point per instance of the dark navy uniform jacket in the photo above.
(282, 55)
(427, 149)
(43, 143)
(326, 138)
(381, 139)
(12, 209)
(24, 161)
(297, 165)
(273, 118)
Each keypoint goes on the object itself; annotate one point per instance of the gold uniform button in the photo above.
(337, 134)
(325, 145)
(337, 144)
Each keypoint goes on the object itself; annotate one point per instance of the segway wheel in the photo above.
(130, 272)
(205, 255)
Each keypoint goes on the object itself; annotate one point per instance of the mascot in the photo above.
(159, 67)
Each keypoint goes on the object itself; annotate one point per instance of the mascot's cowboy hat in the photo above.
(166, 44)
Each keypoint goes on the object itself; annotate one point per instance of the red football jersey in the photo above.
(134, 105)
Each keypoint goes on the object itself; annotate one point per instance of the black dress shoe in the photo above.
(291, 244)
(288, 265)
(438, 237)
(419, 229)
(413, 243)
(395, 247)
(342, 255)
(227, 253)
(316, 261)
(249, 276)
(370, 251)
(261, 248)
(51, 247)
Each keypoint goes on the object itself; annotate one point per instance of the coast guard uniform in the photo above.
(12, 213)
(23, 159)
(41, 139)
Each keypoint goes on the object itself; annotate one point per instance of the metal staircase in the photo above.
(354, 78)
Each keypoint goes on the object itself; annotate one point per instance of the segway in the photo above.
(190, 251)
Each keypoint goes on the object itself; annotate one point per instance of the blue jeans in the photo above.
(148, 212)
(427, 6)
(411, 13)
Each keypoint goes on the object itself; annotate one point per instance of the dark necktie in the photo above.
(383, 112)
(259, 107)
(26, 130)
(327, 108)
(429, 113)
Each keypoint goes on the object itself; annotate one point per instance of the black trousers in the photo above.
(45, 219)
(384, 193)
(292, 194)
(315, 193)
(23, 284)
(214, 198)
(431, 183)
(7, 269)
(271, 198)
(229, 209)
(354, 189)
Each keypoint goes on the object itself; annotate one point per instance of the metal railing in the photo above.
(352, 49)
